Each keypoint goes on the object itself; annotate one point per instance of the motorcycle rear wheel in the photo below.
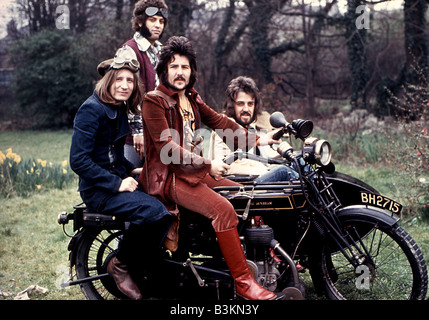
(393, 267)
(94, 252)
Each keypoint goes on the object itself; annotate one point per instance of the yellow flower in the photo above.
(43, 163)
(38, 186)
(50, 164)
(39, 161)
(32, 170)
(64, 163)
(18, 159)
(64, 171)
(2, 156)
(11, 155)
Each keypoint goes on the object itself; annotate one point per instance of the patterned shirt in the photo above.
(152, 52)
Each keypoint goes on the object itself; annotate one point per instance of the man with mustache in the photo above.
(243, 104)
(181, 177)
(149, 22)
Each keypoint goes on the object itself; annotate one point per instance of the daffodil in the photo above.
(17, 159)
(43, 163)
(11, 155)
(64, 171)
(64, 163)
(38, 186)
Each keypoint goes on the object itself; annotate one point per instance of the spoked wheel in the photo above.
(95, 250)
(390, 266)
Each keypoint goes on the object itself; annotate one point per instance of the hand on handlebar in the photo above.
(269, 139)
(218, 168)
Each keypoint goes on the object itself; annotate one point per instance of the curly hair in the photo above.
(246, 85)
(139, 15)
(181, 46)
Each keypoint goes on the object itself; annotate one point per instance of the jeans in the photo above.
(137, 207)
(132, 156)
(278, 173)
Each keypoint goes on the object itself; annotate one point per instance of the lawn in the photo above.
(33, 248)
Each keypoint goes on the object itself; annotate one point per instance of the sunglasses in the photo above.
(151, 11)
(120, 62)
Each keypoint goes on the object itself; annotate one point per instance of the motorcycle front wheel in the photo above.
(96, 248)
(391, 266)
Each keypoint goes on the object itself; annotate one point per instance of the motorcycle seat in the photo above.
(83, 217)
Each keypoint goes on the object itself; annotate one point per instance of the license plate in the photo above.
(381, 202)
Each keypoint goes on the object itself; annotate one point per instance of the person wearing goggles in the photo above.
(106, 178)
(149, 22)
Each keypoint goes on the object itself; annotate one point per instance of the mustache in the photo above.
(180, 78)
(245, 113)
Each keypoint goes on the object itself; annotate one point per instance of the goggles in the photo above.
(151, 11)
(125, 56)
(120, 62)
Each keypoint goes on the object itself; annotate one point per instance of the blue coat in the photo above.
(97, 149)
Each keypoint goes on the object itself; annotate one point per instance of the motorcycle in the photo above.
(324, 229)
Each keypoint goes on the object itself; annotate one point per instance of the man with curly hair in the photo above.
(148, 21)
(175, 170)
(243, 104)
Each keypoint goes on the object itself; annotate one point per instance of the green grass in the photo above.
(33, 248)
(47, 145)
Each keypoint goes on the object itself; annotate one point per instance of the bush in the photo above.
(49, 84)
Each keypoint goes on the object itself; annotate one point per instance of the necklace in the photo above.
(186, 109)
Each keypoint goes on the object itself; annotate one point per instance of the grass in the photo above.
(48, 145)
(33, 248)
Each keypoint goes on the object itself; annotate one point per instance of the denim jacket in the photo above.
(97, 147)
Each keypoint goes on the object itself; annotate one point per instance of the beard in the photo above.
(247, 123)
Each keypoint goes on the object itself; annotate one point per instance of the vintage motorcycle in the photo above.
(326, 230)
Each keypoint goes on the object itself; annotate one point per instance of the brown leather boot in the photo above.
(245, 283)
(119, 272)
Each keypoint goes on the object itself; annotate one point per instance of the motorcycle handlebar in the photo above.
(279, 134)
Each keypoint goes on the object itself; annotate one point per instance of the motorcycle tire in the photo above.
(392, 268)
(94, 251)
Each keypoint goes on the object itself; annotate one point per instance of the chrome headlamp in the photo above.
(317, 151)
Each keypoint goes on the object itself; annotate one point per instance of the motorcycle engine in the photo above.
(260, 258)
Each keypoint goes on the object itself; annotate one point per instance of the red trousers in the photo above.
(203, 200)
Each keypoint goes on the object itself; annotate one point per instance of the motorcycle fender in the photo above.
(73, 245)
(363, 213)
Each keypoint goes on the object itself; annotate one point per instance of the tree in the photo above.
(356, 48)
(49, 83)
(414, 72)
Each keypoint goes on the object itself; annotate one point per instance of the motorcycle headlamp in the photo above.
(317, 151)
